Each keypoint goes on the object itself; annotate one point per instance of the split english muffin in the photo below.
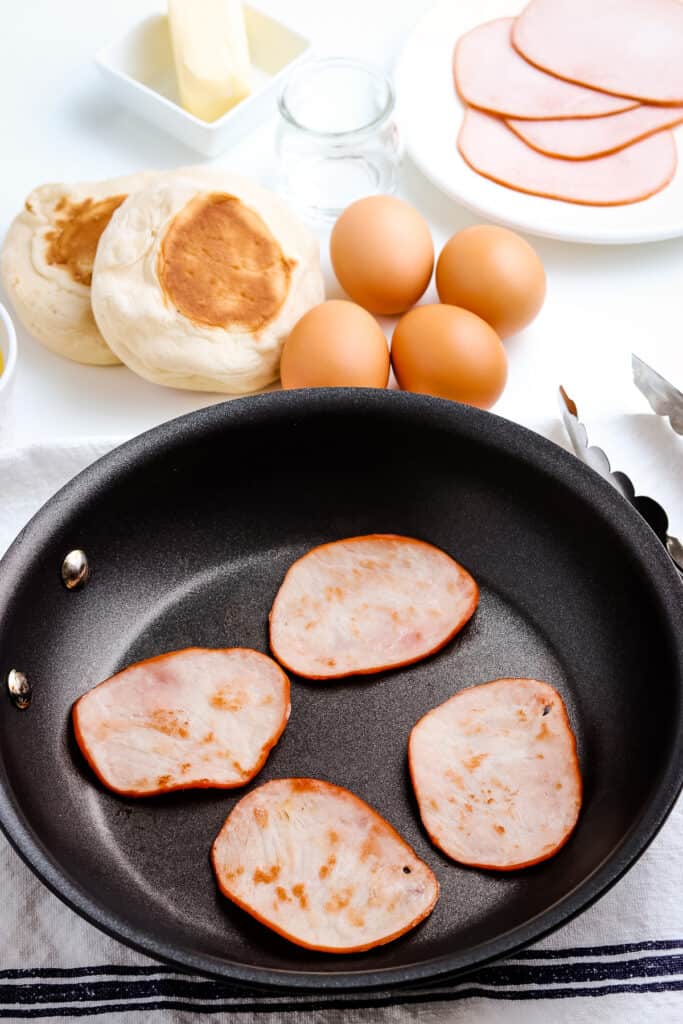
(48, 257)
(198, 281)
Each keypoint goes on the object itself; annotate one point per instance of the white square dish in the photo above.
(140, 73)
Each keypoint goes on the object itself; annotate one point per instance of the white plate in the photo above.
(429, 114)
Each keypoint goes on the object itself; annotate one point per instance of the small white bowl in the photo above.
(140, 72)
(8, 347)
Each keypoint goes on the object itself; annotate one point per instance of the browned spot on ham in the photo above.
(355, 919)
(499, 829)
(339, 900)
(282, 894)
(473, 762)
(434, 805)
(227, 702)
(163, 781)
(299, 891)
(261, 817)
(185, 766)
(543, 733)
(327, 866)
(370, 847)
(209, 738)
(521, 715)
(232, 875)
(267, 875)
(169, 723)
(332, 836)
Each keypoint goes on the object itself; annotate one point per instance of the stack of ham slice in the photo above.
(574, 101)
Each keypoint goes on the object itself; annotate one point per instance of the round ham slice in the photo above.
(366, 604)
(628, 47)
(491, 75)
(320, 867)
(496, 774)
(627, 176)
(596, 136)
(190, 718)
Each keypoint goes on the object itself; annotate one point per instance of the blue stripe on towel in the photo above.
(336, 1002)
(568, 973)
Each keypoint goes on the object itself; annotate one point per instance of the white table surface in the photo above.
(59, 123)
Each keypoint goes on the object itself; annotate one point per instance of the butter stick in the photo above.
(211, 54)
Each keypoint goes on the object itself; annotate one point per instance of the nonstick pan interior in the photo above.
(189, 530)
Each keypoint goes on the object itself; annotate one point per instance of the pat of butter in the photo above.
(211, 54)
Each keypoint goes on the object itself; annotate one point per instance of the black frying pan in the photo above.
(189, 530)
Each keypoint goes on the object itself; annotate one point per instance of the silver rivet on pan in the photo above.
(19, 689)
(75, 569)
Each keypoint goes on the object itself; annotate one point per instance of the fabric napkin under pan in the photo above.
(621, 962)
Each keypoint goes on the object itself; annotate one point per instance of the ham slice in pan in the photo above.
(627, 47)
(627, 176)
(190, 718)
(368, 603)
(595, 136)
(496, 774)
(320, 867)
(491, 75)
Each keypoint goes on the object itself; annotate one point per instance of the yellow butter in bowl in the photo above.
(211, 55)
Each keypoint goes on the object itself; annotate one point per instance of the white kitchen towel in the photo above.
(621, 962)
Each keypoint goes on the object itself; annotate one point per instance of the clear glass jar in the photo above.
(337, 140)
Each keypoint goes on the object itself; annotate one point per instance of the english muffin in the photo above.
(198, 281)
(47, 262)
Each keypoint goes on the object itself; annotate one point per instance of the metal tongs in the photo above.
(666, 401)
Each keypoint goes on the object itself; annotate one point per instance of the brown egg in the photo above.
(336, 344)
(494, 273)
(382, 253)
(451, 353)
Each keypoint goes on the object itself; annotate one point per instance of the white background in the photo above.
(59, 123)
(603, 302)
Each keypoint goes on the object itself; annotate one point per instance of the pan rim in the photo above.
(511, 440)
